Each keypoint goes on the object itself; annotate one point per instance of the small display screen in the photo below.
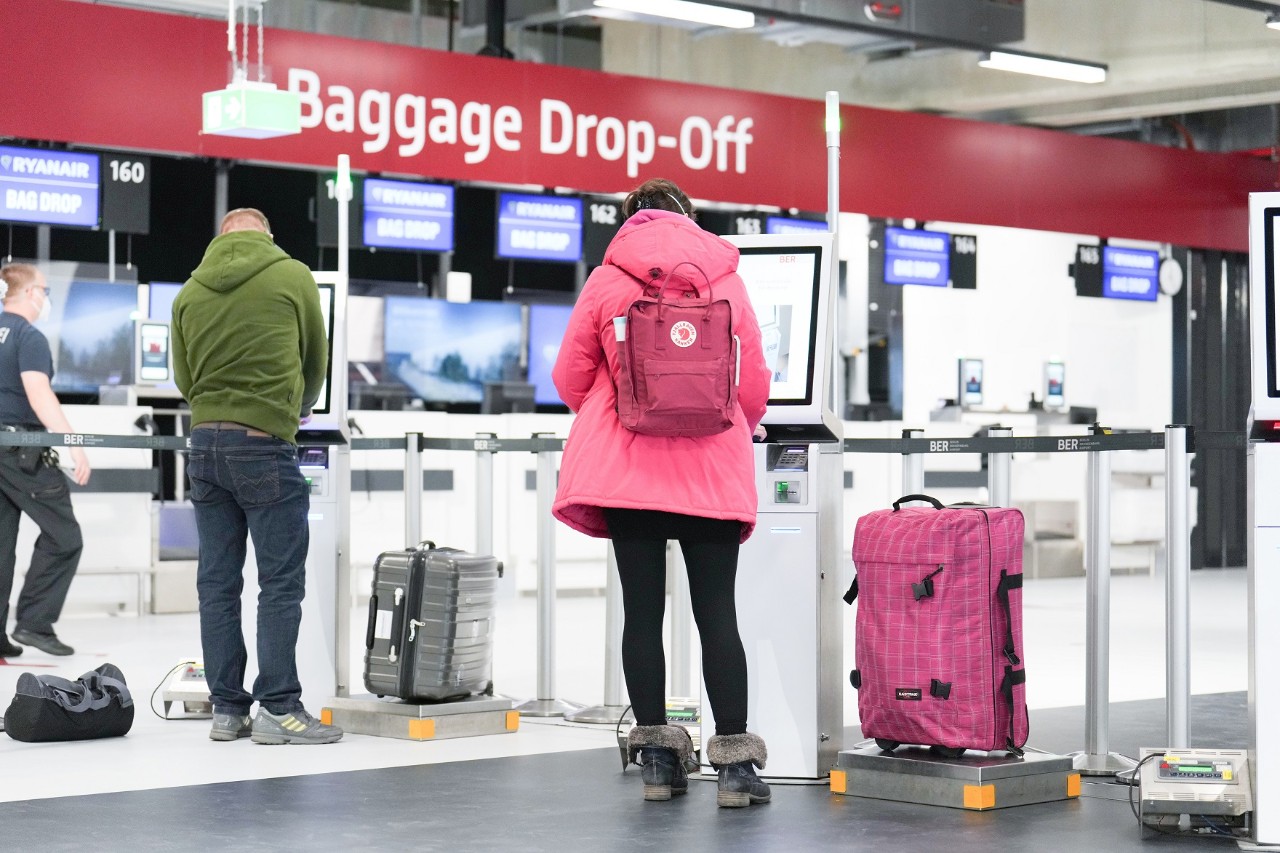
(153, 352)
(789, 225)
(917, 257)
(49, 187)
(1054, 378)
(539, 227)
(971, 381)
(1130, 273)
(408, 215)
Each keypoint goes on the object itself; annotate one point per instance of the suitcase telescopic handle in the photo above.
(937, 504)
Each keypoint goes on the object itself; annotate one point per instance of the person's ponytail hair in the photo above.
(658, 194)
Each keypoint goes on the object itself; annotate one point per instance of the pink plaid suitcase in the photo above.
(939, 627)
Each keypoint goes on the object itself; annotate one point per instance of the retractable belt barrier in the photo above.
(1178, 442)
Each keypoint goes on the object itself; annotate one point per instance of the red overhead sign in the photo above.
(106, 76)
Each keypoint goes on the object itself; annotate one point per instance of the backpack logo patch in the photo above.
(683, 334)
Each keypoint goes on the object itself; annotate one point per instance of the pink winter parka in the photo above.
(607, 465)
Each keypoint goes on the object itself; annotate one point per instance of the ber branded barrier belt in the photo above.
(972, 444)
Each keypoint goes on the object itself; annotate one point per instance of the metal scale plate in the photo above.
(977, 780)
(368, 715)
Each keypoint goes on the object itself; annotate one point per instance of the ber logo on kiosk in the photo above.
(683, 334)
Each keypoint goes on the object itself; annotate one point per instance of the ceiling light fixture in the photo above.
(682, 10)
(1044, 66)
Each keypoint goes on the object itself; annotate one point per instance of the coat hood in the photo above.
(234, 258)
(659, 239)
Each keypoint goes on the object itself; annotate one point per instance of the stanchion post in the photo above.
(545, 705)
(412, 489)
(484, 492)
(912, 466)
(614, 708)
(1177, 537)
(681, 623)
(998, 470)
(1096, 759)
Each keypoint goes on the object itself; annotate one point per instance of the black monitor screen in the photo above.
(445, 352)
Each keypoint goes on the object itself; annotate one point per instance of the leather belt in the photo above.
(232, 425)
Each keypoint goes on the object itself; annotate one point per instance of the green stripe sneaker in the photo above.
(295, 727)
(230, 727)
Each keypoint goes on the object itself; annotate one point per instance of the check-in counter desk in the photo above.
(114, 511)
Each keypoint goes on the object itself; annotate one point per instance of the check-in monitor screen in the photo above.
(784, 291)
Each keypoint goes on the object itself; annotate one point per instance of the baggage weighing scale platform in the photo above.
(470, 717)
(977, 780)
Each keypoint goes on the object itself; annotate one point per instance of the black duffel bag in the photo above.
(49, 708)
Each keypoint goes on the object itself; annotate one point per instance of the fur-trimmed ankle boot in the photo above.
(736, 757)
(661, 752)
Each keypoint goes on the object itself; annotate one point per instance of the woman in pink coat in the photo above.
(641, 490)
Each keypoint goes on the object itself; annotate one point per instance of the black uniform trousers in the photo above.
(46, 498)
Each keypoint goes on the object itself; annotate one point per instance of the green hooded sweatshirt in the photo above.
(249, 341)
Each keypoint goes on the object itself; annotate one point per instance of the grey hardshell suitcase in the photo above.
(430, 634)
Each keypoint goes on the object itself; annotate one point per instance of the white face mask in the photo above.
(44, 310)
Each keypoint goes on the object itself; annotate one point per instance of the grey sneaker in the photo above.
(231, 727)
(295, 727)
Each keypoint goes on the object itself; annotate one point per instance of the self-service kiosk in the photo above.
(324, 646)
(788, 571)
(1264, 516)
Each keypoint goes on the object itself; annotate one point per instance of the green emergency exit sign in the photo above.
(252, 111)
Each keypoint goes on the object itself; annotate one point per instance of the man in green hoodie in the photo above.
(250, 357)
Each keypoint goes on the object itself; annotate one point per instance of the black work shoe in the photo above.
(662, 772)
(740, 786)
(47, 643)
(8, 649)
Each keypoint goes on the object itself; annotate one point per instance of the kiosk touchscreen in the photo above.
(788, 277)
(1055, 375)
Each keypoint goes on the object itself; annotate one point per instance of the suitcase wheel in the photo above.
(381, 695)
(887, 745)
(947, 751)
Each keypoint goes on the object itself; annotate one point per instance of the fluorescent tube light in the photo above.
(1043, 66)
(682, 10)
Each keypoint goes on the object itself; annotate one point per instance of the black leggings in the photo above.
(710, 549)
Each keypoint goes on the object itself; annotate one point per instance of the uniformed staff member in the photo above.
(30, 480)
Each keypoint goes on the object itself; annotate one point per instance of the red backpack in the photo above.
(678, 361)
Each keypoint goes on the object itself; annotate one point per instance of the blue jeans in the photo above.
(245, 484)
